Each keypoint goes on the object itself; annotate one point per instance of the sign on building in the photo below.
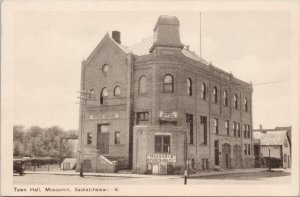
(168, 115)
(157, 158)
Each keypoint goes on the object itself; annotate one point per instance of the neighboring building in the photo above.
(272, 147)
(157, 104)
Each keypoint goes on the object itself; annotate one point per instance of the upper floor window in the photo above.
(225, 97)
(234, 128)
(117, 137)
(246, 104)
(227, 126)
(168, 83)
(235, 101)
(215, 94)
(105, 68)
(142, 85)
(189, 86)
(142, 117)
(216, 125)
(203, 91)
(103, 95)
(89, 138)
(117, 91)
(238, 129)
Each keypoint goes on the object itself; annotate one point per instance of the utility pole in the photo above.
(84, 96)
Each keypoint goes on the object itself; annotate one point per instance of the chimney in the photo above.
(116, 35)
(166, 33)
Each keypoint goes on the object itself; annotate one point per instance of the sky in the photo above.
(49, 46)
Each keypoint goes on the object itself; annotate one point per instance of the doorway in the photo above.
(103, 138)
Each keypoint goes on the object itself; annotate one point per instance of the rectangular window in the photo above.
(238, 129)
(216, 126)
(248, 128)
(142, 117)
(216, 145)
(245, 150)
(117, 137)
(162, 144)
(245, 131)
(203, 121)
(89, 138)
(227, 126)
(249, 149)
(190, 123)
(234, 128)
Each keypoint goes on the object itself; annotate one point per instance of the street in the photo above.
(245, 178)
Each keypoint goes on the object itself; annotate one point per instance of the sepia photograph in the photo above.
(149, 98)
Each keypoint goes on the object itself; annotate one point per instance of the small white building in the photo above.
(274, 144)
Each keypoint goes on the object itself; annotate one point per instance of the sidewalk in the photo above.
(126, 175)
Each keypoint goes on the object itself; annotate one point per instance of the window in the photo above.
(246, 104)
(117, 91)
(189, 86)
(142, 89)
(227, 126)
(234, 128)
(168, 83)
(238, 129)
(245, 150)
(249, 149)
(117, 137)
(91, 94)
(225, 97)
(105, 68)
(162, 144)
(203, 91)
(89, 138)
(245, 131)
(235, 101)
(203, 121)
(215, 94)
(216, 147)
(142, 117)
(216, 126)
(248, 128)
(103, 95)
(189, 121)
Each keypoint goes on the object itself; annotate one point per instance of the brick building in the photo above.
(156, 104)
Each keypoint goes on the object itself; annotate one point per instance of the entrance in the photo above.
(226, 156)
(237, 156)
(103, 138)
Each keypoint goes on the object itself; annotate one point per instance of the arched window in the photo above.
(225, 97)
(235, 101)
(246, 104)
(91, 94)
(103, 95)
(215, 94)
(105, 68)
(203, 91)
(142, 85)
(168, 83)
(189, 86)
(117, 91)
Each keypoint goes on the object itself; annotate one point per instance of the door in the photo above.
(237, 156)
(226, 156)
(103, 138)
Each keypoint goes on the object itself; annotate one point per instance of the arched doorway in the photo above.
(237, 156)
(226, 160)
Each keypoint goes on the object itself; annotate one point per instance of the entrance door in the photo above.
(237, 156)
(226, 156)
(103, 138)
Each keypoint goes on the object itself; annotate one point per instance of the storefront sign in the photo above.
(104, 116)
(161, 158)
(168, 115)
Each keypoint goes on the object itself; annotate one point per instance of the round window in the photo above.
(105, 68)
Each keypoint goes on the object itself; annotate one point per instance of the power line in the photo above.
(270, 82)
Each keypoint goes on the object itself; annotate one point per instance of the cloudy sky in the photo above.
(49, 45)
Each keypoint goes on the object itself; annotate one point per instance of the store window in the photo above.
(162, 144)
